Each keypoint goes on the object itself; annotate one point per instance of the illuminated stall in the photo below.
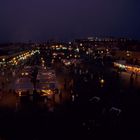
(129, 68)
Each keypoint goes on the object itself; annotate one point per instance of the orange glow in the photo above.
(128, 67)
(47, 92)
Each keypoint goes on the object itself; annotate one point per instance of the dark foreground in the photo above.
(96, 110)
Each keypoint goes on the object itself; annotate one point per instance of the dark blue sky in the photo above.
(39, 20)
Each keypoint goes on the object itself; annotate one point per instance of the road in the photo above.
(126, 79)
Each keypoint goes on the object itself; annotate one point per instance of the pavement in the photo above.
(125, 76)
(8, 101)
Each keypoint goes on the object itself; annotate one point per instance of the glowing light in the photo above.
(73, 98)
(128, 67)
(87, 52)
(47, 92)
(64, 48)
(54, 54)
(26, 73)
(77, 49)
(19, 93)
(102, 81)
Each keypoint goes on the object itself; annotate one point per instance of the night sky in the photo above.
(40, 20)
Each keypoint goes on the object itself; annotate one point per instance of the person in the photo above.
(132, 79)
(60, 95)
(65, 84)
(0, 94)
(35, 96)
(2, 85)
(10, 91)
(136, 75)
(57, 90)
(53, 98)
